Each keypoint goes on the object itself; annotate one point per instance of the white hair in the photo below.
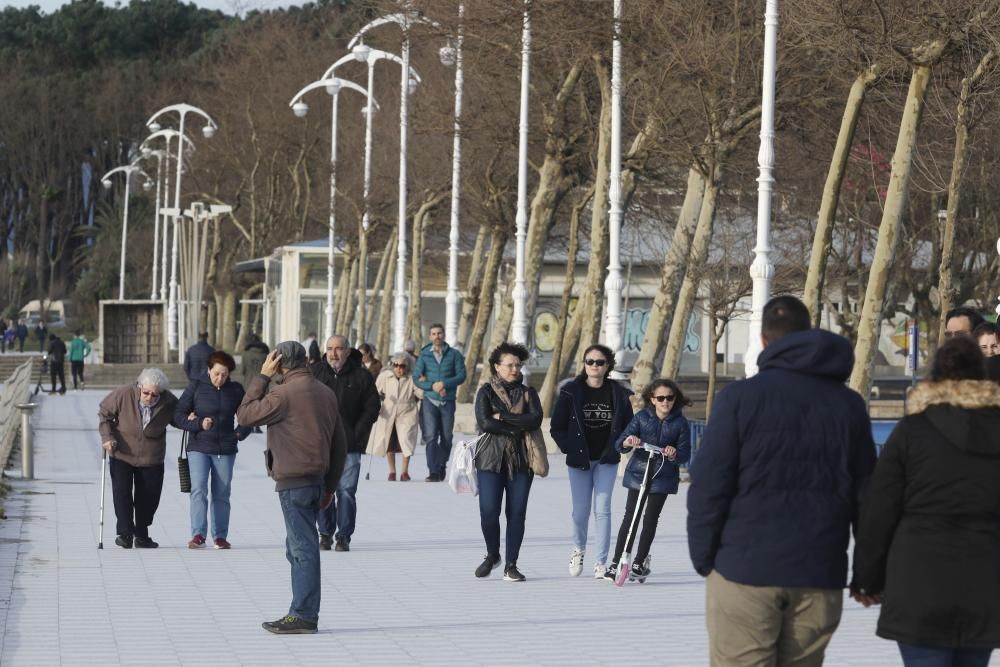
(402, 358)
(155, 377)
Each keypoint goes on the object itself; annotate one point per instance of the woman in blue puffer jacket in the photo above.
(207, 410)
(662, 424)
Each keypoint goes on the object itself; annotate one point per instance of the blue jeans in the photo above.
(437, 422)
(339, 518)
(491, 489)
(220, 469)
(299, 507)
(593, 488)
(927, 656)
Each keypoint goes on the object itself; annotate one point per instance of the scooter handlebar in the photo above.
(651, 448)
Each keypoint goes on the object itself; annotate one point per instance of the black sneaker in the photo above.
(489, 562)
(290, 625)
(611, 573)
(124, 541)
(342, 545)
(433, 478)
(145, 543)
(639, 571)
(511, 573)
(325, 541)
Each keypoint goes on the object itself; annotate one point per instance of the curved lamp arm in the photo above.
(182, 109)
(322, 83)
(402, 20)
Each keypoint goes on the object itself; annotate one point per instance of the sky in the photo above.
(227, 6)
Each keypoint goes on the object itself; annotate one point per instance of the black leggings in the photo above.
(654, 505)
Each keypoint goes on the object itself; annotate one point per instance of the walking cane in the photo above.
(104, 475)
(369, 473)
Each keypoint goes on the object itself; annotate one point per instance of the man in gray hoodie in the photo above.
(306, 447)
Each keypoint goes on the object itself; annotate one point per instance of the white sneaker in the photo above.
(599, 570)
(576, 563)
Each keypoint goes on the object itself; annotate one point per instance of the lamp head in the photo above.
(447, 55)
(300, 109)
(364, 112)
(155, 127)
(147, 185)
(106, 183)
(411, 86)
(361, 52)
(208, 131)
(333, 87)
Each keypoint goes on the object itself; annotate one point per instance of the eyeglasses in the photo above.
(516, 364)
(596, 362)
(956, 334)
(399, 365)
(668, 398)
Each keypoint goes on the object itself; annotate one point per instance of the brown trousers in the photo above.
(765, 626)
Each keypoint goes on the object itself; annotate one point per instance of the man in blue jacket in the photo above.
(438, 371)
(775, 491)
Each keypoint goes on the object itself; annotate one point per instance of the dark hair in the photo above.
(314, 353)
(203, 335)
(365, 348)
(958, 359)
(606, 353)
(784, 315)
(975, 319)
(680, 399)
(220, 357)
(993, 368)
(519, 351)
(436, 325)
(984, 329)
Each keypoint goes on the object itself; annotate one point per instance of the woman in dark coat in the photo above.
(662, 424)
(591, 412)
(928, 546)
(207, 410)
(507, 413)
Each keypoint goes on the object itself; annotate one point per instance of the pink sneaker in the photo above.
(221, 543)
(197, 542)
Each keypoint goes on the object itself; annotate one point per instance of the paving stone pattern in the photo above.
(404, 594)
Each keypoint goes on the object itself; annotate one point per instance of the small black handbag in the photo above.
(183, 470)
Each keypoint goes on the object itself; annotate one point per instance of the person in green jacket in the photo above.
(79, 349)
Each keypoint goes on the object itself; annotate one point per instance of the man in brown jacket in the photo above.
(133, 426)
(306, 447)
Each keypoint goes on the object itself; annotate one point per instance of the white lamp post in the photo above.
(519, 325)
(762, 270)
(159, 155)
(333, 86)
(614, 284)
(453, 55)
(208, 131)
(128, 170)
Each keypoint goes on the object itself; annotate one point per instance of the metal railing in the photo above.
(16, 390)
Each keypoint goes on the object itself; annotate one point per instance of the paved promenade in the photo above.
(405, 593)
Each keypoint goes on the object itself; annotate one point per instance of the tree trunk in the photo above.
(554, 371)
(247, 316)
(379, 286)
(713, 364)
(471, 300)
(831, 192)
(592, 295)
(689, 289)
(670, 279)
(946, 288)
(346, 317)
(413, 312)
(228, 319)
(362, 285)
(486, 298)
(878, 278)
(385, 306)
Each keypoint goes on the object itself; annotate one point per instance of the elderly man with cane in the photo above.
(306, 448)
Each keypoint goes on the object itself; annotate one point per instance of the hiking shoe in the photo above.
(325, 541)
(145, 543)
(342, 545)
(124, 541)
(290, 625)
(511, 573)
(576, 563)
(489, 562)
(221, 543)
(197, 542)
(611, 573)
(599, 570)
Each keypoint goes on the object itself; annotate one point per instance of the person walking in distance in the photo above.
(133, 426)
(775, 490)
(358, 402)
(42, 334)
(439, 370)
(196, 357)
(57, 362)
(22, 335)
(396, 427)
(305, 454)
(591, 412)
(79, 349)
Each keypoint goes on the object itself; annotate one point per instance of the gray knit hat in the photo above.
(293, 355)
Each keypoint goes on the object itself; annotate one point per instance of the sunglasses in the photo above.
(596, 362)
(668, 398)
(399, 365)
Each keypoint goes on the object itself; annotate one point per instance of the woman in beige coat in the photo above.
(396, 427)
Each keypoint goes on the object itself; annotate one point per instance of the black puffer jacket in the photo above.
(204, 399)
(929, 539)
(566, 425)
(503, 449)
(357, 398)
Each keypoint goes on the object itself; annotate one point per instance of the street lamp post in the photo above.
(159, 155)
(762, 270)
(613, 285)
(519, 325)
(333, 86)
(128, 170)
(454, 55)
(208, 131)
